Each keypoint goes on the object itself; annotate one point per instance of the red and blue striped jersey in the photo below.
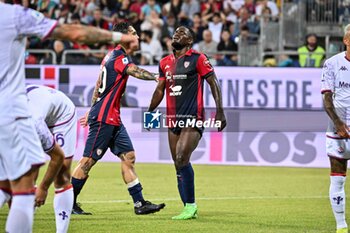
(113, 83)
(184, 78)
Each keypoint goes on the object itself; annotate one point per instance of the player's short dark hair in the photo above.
(193, 34)
(148, 33)
(122, 27)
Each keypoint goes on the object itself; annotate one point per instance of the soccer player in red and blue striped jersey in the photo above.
(106, 129)
(182, 75)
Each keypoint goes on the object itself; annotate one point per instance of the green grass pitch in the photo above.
(230, 199)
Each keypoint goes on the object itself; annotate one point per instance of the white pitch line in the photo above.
(214, 199)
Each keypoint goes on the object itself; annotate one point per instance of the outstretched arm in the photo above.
(89, 35)
(140, 73)
(157, 96)
(341, 128)
(216, 91)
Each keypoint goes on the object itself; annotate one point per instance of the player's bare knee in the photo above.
(128, 158)
(338, 165)
(62, 179)
(180, 161)
(87, 165)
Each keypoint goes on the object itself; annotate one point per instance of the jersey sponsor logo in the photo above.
(186, 64)
(344, 84)
(125, 60)
(175, 90)
(343, 68)
(166, 67)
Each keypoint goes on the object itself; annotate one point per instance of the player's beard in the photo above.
(177, 45)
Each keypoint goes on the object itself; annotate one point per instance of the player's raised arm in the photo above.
(32, 23)
(140, 73)
(216, 91)
(88, 35)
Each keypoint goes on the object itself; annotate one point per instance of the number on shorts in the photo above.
(102, 87)
(59, 139)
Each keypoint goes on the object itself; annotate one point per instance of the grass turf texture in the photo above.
(230, 199)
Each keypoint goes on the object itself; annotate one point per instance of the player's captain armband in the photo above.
(116, 36)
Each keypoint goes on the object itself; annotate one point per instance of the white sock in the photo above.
(337, 199)
(20, 217)
(63, 204)
(4, 197)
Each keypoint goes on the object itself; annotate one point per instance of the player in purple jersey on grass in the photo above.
(20, 149)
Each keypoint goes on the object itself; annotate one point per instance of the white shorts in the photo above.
(338, 148)
(20, 149)
(65, 135)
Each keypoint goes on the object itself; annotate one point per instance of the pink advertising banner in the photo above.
(278, 123)
(292, 149)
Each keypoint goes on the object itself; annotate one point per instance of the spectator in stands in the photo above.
(198, 28)
(311, 54)
(154, 23)
(75, 19)
(88, 12)
(269, 60)
(167, 32)
(251, 6)
(124, 11)
(63, 9)
(261, 4)
(286, 61)
(209, 7)
(226, 45)
(148, 8)
(215, 26)
(136, 6)
(173, 7)
(231, 9)
(245, 37)
(98, 21)
(246, 20)
(188, 9)
(135, 21)
(151, 49)
(267, 15)
(208, 46)
(48, 6)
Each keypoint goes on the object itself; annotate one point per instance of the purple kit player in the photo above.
(20, 149)
(106, 129)
(182, 74)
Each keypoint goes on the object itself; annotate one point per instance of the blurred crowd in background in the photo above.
(220, 26)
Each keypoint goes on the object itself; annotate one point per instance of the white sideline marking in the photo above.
(213, 199)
